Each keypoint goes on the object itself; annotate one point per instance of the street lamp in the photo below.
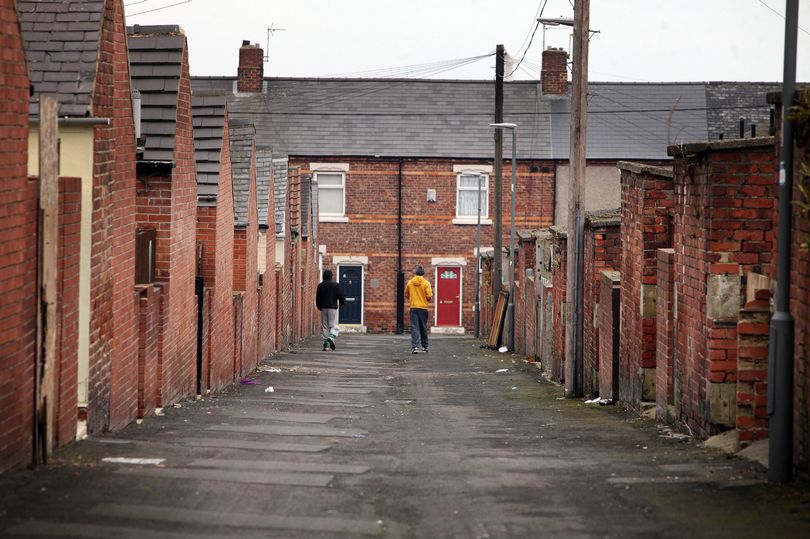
(510, 306)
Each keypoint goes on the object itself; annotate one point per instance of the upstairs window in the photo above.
(331, 194)
(467, 189)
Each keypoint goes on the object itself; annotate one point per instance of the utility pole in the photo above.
(780, 353)
(577, 159)
(497, 256)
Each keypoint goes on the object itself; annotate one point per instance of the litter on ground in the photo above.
(127, 460)
(502, 370)
(269, 389)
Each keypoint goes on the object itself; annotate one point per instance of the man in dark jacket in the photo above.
(329, 298)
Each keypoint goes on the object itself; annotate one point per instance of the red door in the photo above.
(448, 296)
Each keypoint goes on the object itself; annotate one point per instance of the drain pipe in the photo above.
(400, 273)
(780, 349)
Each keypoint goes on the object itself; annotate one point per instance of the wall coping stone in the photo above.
(641, 168)
(679, 150)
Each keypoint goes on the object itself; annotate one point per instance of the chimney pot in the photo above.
(554, 73)
(250, 75)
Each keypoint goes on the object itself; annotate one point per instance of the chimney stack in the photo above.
(554, 75)
(250, 75)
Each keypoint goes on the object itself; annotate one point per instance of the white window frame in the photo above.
(473, 219)
(332, 217)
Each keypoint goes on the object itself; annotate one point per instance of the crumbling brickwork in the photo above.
(725, 193)
(601, 252)
(647, 200)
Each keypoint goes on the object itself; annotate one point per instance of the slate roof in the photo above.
(280, 167)
(264, 178)
(242, 135)
(632, 120)
(729, 101)
(387, 117)
(449, 118)
(61, 40)
(210, 116)
(156, 57)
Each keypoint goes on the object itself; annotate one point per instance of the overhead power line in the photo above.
(782, 16)
(158, 8)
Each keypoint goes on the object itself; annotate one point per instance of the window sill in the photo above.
(468, 221)
(334, 219)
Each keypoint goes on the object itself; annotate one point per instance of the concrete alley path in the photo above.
(371, 441)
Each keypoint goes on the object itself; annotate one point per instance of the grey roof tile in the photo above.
(61, 39)
(264, 182)
(242, 138)
(442, 118)
(208, 142)
(156, 56)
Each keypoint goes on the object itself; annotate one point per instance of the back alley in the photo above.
(370, 440)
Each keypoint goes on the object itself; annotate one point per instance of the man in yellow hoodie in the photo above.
(418, 293)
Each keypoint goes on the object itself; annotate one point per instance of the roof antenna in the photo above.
(270, 32)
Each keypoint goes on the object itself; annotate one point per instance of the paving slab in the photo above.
(233, 476)
(280, 430)
(281, 465)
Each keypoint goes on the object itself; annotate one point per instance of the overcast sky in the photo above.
(638, 40)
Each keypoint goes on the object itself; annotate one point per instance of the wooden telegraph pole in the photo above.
(579, 123)
(497, 256)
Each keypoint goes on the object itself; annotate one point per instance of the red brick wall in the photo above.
(800, 306)
(17, 250)
(371, 207)
(149, 338)
(602, 252)
(752, 375)
(725, 196)
(558, 283)
(114, 101)
(250, 72)
(67, 358)
(609, 324)
(215, 230)
(664, 327)
(646, 202)
(525, 297)
(170, 206)
(799, 303)
(267, 294)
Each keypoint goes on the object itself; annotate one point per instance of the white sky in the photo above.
(639, 40)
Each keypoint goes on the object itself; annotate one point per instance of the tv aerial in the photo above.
(270, 31)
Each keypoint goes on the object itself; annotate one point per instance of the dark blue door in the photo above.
(351, 283)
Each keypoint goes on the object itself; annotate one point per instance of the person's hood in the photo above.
(418, 279)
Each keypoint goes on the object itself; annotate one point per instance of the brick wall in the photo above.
(554, 76)
(268, 293)
(149, 338)
(800, 301)
(725, 194)
(115, 102)
(250, 73)
(67, 338)
(525, 295)
(219, 274)
(601, 252)
(664, 327)
(609, 334)
(558, 282)
(647, 199)
(752, 369)
(799, 296)
(17, 250)
(170, 206)
(428, 231)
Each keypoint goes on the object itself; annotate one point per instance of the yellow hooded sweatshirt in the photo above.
(418, 292)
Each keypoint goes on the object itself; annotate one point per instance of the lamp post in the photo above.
(510, 306)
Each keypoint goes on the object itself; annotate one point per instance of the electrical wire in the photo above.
(782, 16)
(537, 14)
(158, 8)
(536, 26)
